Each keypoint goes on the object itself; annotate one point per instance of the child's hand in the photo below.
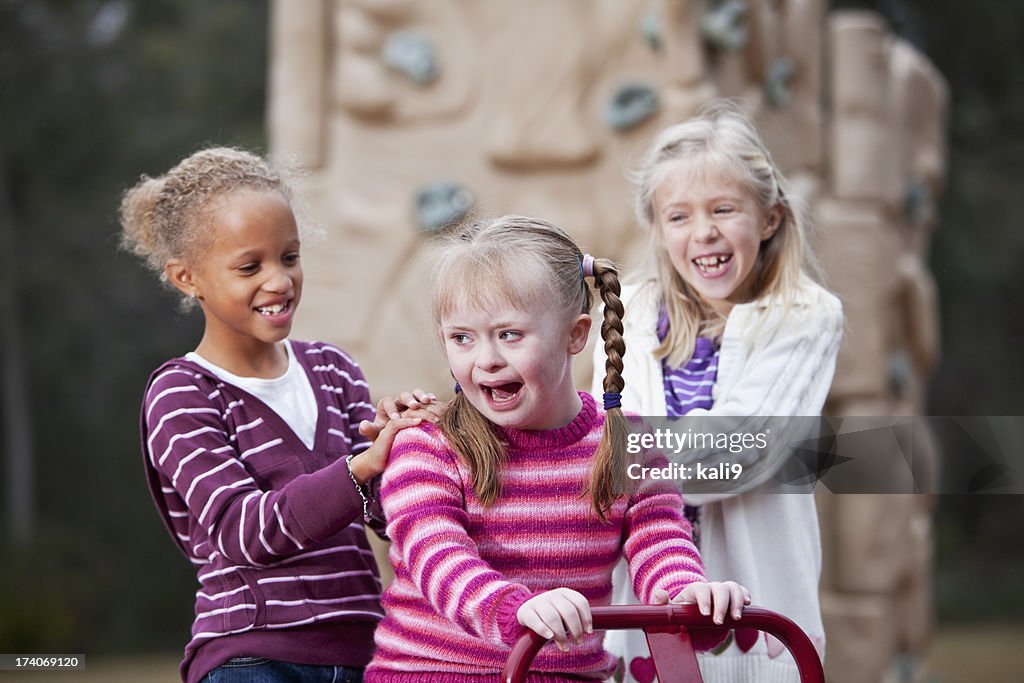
(558, 614)
(371, 462)
(417, 403)
(416, 399)
(428, 408)
(716, 598)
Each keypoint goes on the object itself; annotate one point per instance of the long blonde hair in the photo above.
(520, 260)
(724, 138)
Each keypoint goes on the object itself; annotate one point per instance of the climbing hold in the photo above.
(631, 105)
(722, 25)
(411, 54)
(650, 28)
(778, 82)
(442, 203)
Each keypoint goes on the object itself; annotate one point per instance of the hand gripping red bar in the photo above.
(666, 627)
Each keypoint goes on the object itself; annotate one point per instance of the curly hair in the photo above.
(166, 217)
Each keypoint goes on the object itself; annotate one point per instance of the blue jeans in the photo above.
(260, 670)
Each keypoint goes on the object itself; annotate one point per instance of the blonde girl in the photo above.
(727, 320)
(252, 442)
(508, 514)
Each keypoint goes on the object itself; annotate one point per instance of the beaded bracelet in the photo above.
(360, 488)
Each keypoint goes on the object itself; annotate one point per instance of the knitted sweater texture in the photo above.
(274, 529)
(463, 571)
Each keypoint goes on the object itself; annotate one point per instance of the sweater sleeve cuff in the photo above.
(375, 509)
(325, 501)
(679, 584)
(508, 622)
(675, 584)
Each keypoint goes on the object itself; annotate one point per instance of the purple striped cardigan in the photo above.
(274, 528)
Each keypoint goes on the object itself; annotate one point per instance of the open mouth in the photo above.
(712, 265)
(503, 393)
(274, 309)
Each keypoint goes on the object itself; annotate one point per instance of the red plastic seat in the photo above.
(671, 648)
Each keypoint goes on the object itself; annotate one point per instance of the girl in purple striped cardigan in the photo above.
(509, 513)
(262, 453)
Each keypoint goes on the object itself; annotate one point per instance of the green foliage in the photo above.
(977, 252)
(86, 107)
(71, 591)
(979, 556)
(979, 245)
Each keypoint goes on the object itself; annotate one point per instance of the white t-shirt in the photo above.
(290, 395)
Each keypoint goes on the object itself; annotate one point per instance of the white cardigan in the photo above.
(768, 542)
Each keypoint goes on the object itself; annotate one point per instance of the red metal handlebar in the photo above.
(653, 618)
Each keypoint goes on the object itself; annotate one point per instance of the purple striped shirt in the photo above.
(688, 386)
(274, 528)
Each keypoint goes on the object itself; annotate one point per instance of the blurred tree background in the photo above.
(95, 92)
(977, 253)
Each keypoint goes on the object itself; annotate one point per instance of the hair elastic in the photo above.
(458, 388)
(587, 265)
(612, 400)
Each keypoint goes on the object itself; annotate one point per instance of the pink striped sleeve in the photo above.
(186, 442)
(661, 553)
(423, 502)
(659, 547)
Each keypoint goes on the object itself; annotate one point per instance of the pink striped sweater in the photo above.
(274, 528)
(462, 572)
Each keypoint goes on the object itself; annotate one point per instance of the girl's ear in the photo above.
(772, 221)
(579, 333)
(180, 275)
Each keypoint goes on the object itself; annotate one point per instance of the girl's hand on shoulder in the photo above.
(716, 598)
(407, 401)
(559, 614)
(421, 404)
(416, 403)
(371, 462)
